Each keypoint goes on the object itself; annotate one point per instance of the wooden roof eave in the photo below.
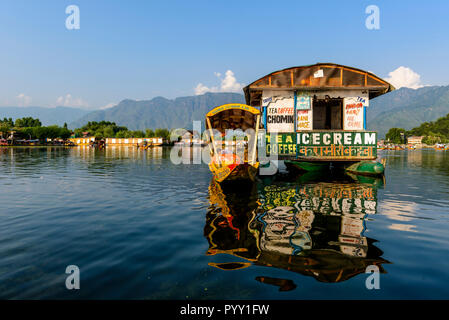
(374, 91)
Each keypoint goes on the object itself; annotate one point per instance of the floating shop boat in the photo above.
(315, 117)
(233, 158)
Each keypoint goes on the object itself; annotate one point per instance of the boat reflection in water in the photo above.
(315, 229)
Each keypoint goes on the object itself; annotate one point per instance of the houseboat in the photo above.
(190, 138)
(88, 141)
(139, 142)
(315, 116)
(84, 141)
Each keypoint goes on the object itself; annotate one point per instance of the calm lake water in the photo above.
(140, 227)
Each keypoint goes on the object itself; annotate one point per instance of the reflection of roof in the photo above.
(324, 265)
(327, 76)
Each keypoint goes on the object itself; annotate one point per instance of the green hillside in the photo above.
(435, 131)
(407, 108)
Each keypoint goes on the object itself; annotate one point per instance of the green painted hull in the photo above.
(368, 168)
(307, 166)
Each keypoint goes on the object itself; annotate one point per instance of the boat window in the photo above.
(328, 114)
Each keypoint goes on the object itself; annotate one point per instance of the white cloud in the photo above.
(201, 89)
(109, 105)
(404, 77)
(23, 100)
(69, 101)
(228, 84)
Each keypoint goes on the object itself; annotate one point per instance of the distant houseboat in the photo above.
(133, 141)
(315, 116)
(415, 140)
(190, 139)
(87, 141)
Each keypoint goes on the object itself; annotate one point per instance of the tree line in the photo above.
(106, 129)
(30, 128)
(432, 131)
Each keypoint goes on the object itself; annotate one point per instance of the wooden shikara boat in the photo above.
(233, 158)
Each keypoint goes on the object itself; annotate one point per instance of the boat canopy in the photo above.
(317, 77)
(232, 116)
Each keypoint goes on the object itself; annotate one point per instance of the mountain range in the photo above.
(160, 112)
(405, 108)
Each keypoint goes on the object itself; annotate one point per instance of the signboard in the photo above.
(280, 115)
(354, 113)
(332, 145)
(266, 101)
(318, 74)
(304, 120)
(283, 144)
(302, 101)
(335, 145)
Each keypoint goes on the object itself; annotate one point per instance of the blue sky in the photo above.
(142, 49)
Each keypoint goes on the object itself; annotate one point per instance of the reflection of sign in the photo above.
(280, 115)
(354, 113)
(345, 199)
(282, 144)
(337, 144)
(285, 230)
(304, 120)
